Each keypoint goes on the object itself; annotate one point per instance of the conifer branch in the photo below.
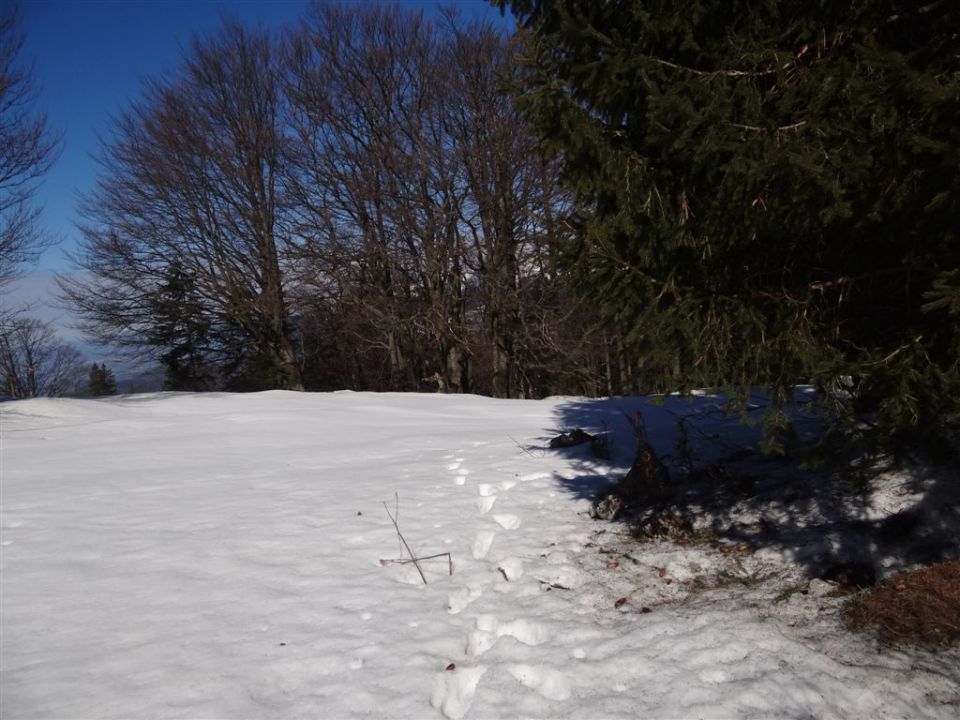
(757, 128)
(850, 280)
(711, 73)
(923, 10)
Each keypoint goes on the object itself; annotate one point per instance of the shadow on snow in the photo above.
(833, 525)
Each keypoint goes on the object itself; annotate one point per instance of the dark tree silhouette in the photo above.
(101, 381)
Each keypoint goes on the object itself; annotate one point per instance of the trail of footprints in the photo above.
(453, 691)
(460, 473)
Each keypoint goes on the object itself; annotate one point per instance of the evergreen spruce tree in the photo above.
(182, 329)
(102, 381)
(768, 192)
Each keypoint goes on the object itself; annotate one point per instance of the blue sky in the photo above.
(90, 58)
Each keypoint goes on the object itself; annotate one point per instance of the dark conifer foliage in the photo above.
(101, 382)
(182, 327)
(768, 192)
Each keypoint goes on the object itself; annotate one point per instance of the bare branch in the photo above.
(27, 151)
(413, 558)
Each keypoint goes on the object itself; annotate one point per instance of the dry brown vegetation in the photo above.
(921, 607)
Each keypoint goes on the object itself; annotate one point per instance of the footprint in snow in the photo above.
(485, 502)
(453, 690)
(552, 684)
(507, 484)
(507, 521)
(458, 599)
(481, 544)
(455, 466)
(713, 676)
(489, 629)
(488, 496)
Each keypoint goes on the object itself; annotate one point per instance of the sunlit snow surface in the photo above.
(219, 556)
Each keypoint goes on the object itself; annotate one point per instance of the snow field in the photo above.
(180, 555)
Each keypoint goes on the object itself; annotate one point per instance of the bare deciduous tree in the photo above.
(27, 151)
(34, 363)
(513, 198)
(377, 185)
(191, 178)
(428, 215)
(370, 202)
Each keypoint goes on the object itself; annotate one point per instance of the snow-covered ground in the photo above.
(219, 556)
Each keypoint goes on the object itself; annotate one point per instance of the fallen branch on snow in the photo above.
(526, 450)
(413, 557)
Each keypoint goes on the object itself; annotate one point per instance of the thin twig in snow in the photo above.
(413, 556)
(522, 447)
(447, 555)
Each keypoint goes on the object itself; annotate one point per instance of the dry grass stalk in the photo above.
(413, 557)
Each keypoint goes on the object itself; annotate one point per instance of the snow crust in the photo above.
(183, 556)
